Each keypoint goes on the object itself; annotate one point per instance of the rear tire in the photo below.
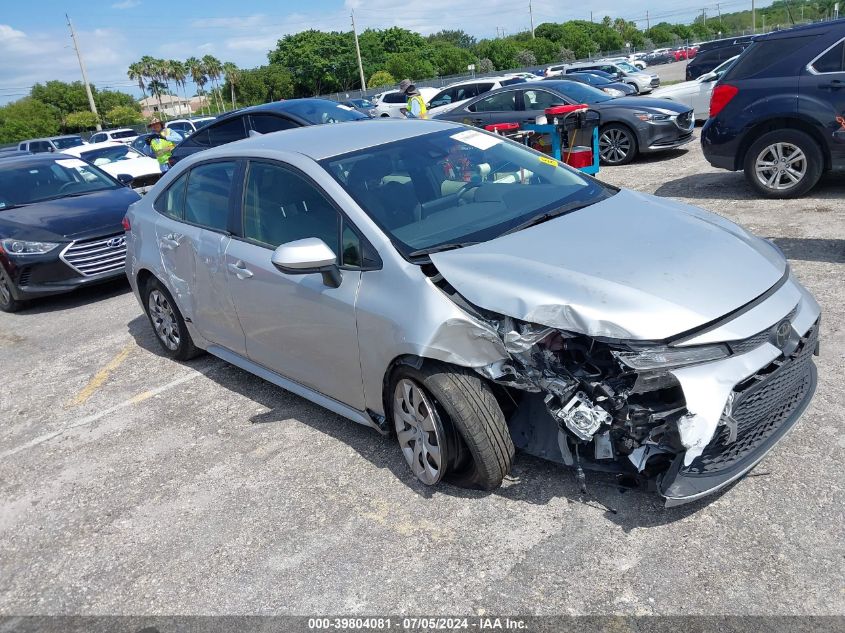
(783, 164)
(8, 303)
(464, 421)
(168, 324)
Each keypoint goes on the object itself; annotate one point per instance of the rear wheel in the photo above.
(8, 303)
(783, 164)
(167, 322)
(450, 426)
(617, 145)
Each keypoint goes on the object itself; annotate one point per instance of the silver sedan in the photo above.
(470, 296)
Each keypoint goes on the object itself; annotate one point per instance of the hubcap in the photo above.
(614, 146)
(164, 320)
(780, 166)
(5, 293)
(419, 431)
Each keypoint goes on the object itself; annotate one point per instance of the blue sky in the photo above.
(35, 42)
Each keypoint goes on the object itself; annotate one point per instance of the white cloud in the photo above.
(126, 4)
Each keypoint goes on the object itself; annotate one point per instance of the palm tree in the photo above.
(135, 73)
(232, 76)
(197, 71)
(178, 73)
(148, 68)
(213, 68)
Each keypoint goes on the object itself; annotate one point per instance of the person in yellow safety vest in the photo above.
(162, 145)
(416, 104)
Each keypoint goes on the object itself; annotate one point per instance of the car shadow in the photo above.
(812, 249)
(532, 480)
(80, 297)
(731, 185)
(658, 157)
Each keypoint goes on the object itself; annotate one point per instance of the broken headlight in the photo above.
(666, 357)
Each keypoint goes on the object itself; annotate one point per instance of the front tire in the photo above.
(8, 303)
(783, 164)
(168, 324)
(450, 426)
(617, 145)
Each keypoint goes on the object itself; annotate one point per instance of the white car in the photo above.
(186, 127)
(391, 103)
(696, 93)
(623, 71)
(123, 134)
(117, 159)
(457, 93)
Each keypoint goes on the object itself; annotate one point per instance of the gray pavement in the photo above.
(130, 484)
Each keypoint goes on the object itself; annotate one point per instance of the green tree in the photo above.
(80, 121)
(122, 115)
(450, 60)
(232, 75)
(484, 65)
(525, 58)
(381, 78)
(410, 65)
(197, 71)
(501, 52)
(214, 70)
(108, 99)
(27, 118)
(261, 85)
(65, 97)
(456, 38)
(319, 62)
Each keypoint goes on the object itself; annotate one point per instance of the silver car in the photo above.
(470, 296)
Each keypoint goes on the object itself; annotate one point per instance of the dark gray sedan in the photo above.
(629, 125)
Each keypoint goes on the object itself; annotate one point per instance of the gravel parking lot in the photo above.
(131, 484)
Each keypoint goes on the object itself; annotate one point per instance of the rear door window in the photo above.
(500, 102)
(833, 61)
(394, 97)
(267, 123)
(207, 195)
(172, 202)
(226, 131)
(761, 55)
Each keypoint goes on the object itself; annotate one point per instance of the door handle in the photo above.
(171, 241)
(835, 84)
(239, 270)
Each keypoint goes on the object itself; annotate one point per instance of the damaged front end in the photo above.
(684, 420)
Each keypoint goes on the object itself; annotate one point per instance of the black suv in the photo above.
(779, 112)
(712, 54)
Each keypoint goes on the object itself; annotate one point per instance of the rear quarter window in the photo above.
(833, 61)
(766, 54)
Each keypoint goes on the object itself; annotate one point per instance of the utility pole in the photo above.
(647, 22)
(531, 13)
(358, 53)
(704, 13)
(591, 17)
(719, 9)
(84, 73)
(753, 19)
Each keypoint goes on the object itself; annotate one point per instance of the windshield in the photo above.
(593, 80)
(318, 111)
(457, 186)
(68, 141)
(106, 155)
(33, 182)
(123, 134)
(581, 93)
(627, 67)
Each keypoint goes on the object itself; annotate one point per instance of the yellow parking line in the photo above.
(101, 376)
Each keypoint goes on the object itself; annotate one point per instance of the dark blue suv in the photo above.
(779, 112)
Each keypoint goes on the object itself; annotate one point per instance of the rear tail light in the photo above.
(126, 226)
(722, 95)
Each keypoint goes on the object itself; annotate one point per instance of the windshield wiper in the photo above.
(548, 215)
(440, 248)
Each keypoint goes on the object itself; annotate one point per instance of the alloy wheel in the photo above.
(164, 320)
(780, 166)
(614, 145)
(5, 292)
(419, 431)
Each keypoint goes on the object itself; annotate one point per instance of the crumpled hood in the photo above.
(633, 266)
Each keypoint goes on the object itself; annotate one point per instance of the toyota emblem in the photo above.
(782, 334)
(117, 242)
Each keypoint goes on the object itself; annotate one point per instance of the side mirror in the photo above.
(125, 179)
(311, 255)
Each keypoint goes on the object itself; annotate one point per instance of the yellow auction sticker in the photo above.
(548, 161)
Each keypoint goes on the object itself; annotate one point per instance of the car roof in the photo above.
(120, 129)
(93, 146)
(822, 27)
(49, 138)
(25, 159)
(319, 142)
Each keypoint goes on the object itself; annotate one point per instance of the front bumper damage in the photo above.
(686, 432)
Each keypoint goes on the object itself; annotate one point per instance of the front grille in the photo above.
(97, 256)
(753, 342)
(762, 404)
(655, 82)
(685, 120)
(145, 181)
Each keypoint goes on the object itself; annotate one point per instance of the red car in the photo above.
(679, 54)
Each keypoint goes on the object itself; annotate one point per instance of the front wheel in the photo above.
(617, 145)
(8, 303)
(450, 426)
(783, 164)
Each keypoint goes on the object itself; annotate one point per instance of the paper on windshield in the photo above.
(71, 162)
(476, 139)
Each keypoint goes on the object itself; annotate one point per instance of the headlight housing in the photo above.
(652, 117)
(25, 247)
(667, 357)
(613, 92)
